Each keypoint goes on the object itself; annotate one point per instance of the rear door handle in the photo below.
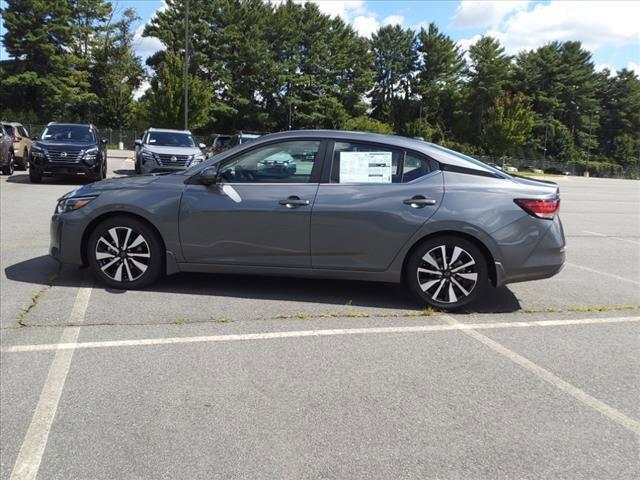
(419, 201)
(294, 202)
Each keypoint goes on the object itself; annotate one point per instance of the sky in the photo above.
(609, 29)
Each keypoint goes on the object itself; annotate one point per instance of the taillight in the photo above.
(540, 208)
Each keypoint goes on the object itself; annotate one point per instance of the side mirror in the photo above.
(103, 141)
(138, 142)
(202, 146)
(34, 138)
(208, 175)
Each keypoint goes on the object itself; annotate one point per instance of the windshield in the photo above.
(170, 139)
(68, 133)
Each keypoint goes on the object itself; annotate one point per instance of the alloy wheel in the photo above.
(122, 254)
(447, 274)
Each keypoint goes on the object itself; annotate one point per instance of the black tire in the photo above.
(105, 262)
(34, 175)
(137, 168)
(447, 285)
(24, 164)
(8, 168)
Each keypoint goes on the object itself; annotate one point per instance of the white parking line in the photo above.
(614, 238)
(312, 333)
(30, 455)
(599, 272)
(580, 395)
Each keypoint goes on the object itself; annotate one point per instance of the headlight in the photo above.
(196, 159)
(69, 204)
(148, 155)
(92, 153)
(37, 151)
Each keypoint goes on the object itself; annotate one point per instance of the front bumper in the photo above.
(65, 239)
(48, 168)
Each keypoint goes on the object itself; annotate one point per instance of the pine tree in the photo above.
(488, 75)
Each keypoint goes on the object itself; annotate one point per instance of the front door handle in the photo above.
(294, 202)
(419, 201)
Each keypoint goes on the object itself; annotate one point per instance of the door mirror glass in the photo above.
(208, 175)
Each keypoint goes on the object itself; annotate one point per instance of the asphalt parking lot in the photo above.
(212, 376)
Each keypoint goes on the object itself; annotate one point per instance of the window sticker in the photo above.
(365, 167)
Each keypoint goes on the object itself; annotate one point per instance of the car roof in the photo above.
(13, 124)
(88, 125)
(168, 130)
(437, 152)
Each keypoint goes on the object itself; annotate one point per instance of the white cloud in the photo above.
(393, 20)
(465, 43)
(343, 9)
(595, 24)
(140, 91)
(474, 13)
(634, 67)
(146, 46)
(365, 26)
(599, 67)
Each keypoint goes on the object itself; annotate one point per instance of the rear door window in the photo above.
(365, 163)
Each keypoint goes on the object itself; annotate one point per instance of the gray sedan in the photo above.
(356, 206)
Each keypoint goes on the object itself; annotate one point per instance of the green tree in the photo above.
(618, 135)
(45, 76)
(508, 124)
(488, 76)
(395, 58)
(366, 124)
(439, 80)
(165, 99)
(116, 72)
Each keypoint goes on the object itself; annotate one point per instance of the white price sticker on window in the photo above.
(365, 167)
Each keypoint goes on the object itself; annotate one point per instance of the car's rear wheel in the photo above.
(8, 168)
(24, 165)
(125, 253)
(447, 272)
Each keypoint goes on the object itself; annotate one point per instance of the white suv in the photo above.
(162, 150)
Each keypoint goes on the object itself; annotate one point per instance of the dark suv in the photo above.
(68, 149)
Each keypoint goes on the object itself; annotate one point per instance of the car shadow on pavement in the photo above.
(70, 180)
(333, 292)
(124, 171)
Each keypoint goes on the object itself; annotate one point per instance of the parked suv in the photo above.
(68, 149)
(163, 150)
(6, 152)
(21, 143)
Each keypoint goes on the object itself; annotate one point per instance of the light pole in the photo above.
(186, 64)
(122, 83)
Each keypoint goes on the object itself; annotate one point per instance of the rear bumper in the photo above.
(545, 260)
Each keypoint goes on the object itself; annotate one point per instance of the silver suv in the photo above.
(162, 150)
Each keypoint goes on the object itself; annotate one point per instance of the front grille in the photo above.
(64, 154)
(173, 160)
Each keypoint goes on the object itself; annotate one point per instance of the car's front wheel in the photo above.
(447, 272)
(125, 253)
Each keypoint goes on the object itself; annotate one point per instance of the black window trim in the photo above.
(434, 165)
(314, 177)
